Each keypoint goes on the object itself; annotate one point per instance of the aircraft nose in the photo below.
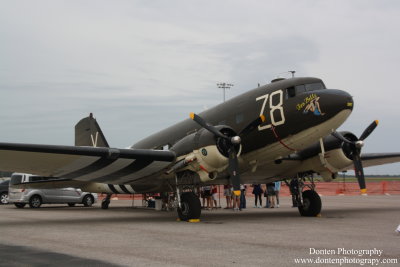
(327, 103)
(341, 100)
(335, 101)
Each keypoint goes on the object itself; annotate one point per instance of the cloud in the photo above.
(142, 66)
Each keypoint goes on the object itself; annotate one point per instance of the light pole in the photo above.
(224, 86)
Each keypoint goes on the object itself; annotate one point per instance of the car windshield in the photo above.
(16, 179)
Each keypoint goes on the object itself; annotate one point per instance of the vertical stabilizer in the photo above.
(88, 133)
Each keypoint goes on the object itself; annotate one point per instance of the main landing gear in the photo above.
(308, 201)
(189, 206)
(106, 202)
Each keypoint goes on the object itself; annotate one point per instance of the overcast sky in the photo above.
(141, 66)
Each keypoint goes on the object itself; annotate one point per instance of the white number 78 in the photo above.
(273, 107)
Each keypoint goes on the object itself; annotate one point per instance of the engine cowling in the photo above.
(207, 154)
(337, 157)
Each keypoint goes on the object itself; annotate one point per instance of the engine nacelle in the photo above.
(207, 154)
(338, 156)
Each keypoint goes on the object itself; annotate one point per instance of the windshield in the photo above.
(16, 179)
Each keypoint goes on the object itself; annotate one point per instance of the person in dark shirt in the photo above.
(257, 192)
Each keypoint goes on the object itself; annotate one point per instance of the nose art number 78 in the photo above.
(275, 109)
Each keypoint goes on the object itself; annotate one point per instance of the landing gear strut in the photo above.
(106, 202)
(308, 201)
(189, 206)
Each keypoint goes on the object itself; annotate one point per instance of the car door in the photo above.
(70, 195)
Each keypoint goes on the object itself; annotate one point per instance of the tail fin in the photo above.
(88, 133)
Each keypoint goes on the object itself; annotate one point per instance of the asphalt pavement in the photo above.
(351, 228)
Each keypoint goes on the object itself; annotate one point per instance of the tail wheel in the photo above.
(311, 205)
(190, 207)
(35, 202)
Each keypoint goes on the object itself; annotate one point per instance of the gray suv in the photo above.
(36, 197)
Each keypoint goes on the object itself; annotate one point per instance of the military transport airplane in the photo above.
(283, 130)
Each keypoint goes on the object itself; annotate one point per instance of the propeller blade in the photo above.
(369, 130)
(341, 137)
(358, 169)
(254, 124)
(234, 169)
(207, 126)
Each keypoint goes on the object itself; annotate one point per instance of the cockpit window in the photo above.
(314, 86)
(298, 89)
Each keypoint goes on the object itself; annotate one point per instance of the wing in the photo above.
(374, 159)
(98, 164)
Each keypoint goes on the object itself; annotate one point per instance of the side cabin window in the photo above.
(163, 147)
(239, 118)
(290, 92)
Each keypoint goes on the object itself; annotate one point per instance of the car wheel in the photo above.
(88, 201)
(20, 205)
(35, 202)
(71, 204)
(4, 198)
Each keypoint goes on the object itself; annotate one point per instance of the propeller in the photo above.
(355, 149)
(232, 144)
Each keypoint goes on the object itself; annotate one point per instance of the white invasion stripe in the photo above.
(130, 188)
(119, 189)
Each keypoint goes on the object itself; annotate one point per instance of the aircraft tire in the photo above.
(190, 207)
(35, 202)
(311, 204)
(104, 204)
(20, 205)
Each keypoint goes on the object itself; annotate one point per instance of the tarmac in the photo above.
(353, 230)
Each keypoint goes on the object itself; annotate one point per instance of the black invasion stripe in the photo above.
(137, 165)
(95, 166)
(112, 188)
(125, 189)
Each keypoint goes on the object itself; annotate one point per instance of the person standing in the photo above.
(243, 188)
(207, 194)
(271, 194)
(236, 200)
(214, 192)
(267, 204)
(228, 196)
(277, 189)
(294, 191)
(257, 192)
